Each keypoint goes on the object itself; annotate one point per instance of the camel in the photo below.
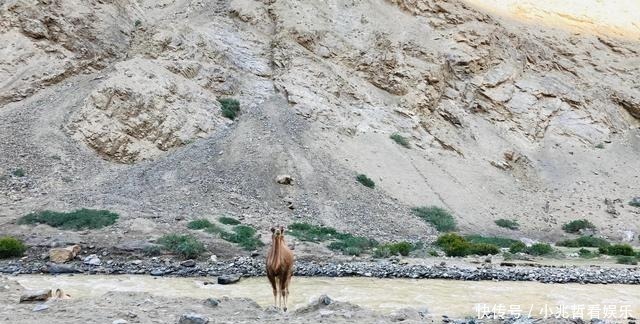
(279, 267)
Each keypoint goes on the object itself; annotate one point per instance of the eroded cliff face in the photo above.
(503, 118)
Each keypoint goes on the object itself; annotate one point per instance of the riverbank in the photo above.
(252, 267)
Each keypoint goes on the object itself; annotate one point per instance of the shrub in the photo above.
(11, 247)
(312, 233)
(389, 249)
(243, 235)
(137, 23)
(625, 259)
(483, 249)
(19, 172)
(230, 107)
(438, 217)
(577, 225)
(586, 254)
(228, 220)
(152, 250)
(635, 202)
(507, 223)
(617, 249)
(400, 140)
(365, 181)
(494, 240)
(349, 243)
(75, 220)
(584, 241)
(456, 245)
(600, 146)
(518, 247)
(352, 250)
(540, 249)
(185, 246)
(199, 224)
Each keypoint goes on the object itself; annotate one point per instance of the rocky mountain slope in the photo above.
(114, 104)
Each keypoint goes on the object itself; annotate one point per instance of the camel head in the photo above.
(277, 232)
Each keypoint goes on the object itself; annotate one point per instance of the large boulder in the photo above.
(35, 295)
(62, 255)
(228, 279)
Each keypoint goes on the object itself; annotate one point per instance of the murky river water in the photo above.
(457, 298)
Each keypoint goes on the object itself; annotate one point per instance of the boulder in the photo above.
(228, 279)
(35, 295)
(212, 302)
(60, 268)
(40, 307)
(92, 260)
(62, 255)
(188, 263)
(284, 179)
(193, 318)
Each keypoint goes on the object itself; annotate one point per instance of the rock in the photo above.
(325, 300)
(188, 263)
(213, 258)
(40, 307)
(62, 255)
(120, 321)
(59, 268)
(255, 254)
(34, 295)
(611, 208)
(92, 260)
(34, 28)
(228, 279)
(193, 318)
(212, 302)
(284, 179)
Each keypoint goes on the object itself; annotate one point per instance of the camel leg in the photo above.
(283, 291)
(286, 289)
(272, 280)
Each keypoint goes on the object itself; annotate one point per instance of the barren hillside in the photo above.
(114, 104)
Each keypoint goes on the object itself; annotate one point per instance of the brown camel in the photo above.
(279, 267)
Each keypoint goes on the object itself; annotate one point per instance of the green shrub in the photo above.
(400, 140)
(540, 249)
(390, 249)
(312, 233)
(577, 225)
(11, 247)
(19, 173)
(185, 246)
(617, 249)
(76, 220)
(349, 243)
(600, 146)
(494, 240)
(456, 245)
(230, 107)
(137, 23)
(625, 259)
(635, 202)
(507, 223)
(586, 254)
(584, 241)
(199, 224)
(228, 220)
(245, 236)
(352, 250)
(518, 247)
(365, 181)
(438, 217)
(152, 250)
